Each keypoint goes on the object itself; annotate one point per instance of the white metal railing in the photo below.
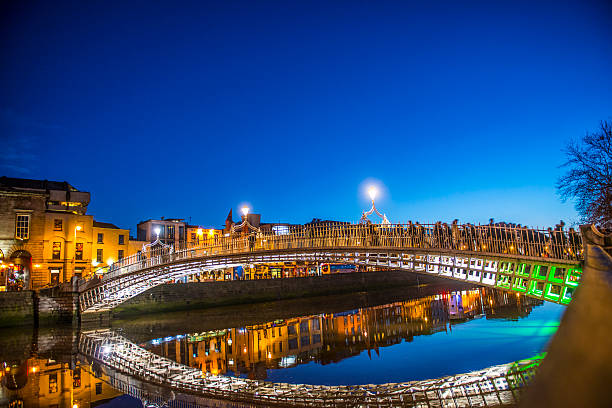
(548, 244)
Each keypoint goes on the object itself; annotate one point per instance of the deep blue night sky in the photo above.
(461, 110)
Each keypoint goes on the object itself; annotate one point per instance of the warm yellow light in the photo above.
(245, 350)
(245, 211)
(34, 369)
(37, 266)
(7, 369)
(269, 355)
(75, 405)
(211, 232)
(200, 231)
(94, 263)
(78, 228)
(372, 192)
(109, 261)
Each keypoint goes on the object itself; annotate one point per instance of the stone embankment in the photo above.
(60, 304)
(172, 297)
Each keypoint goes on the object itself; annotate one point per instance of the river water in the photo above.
(364, 338)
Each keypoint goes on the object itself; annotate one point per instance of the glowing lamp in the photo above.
(200, 231)
(109, 261)
(245, 211)
(157, 230)
(78, 228)
(211, 232)
(372, 192)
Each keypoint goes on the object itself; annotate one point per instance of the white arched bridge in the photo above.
(545, 264)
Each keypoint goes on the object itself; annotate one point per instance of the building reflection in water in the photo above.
(44, 383)
(326, 338)
(252, 350)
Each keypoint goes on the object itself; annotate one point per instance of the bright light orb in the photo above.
(157, 230)
(372, 192)
(78, 228)
(200, 231)
(245, 211)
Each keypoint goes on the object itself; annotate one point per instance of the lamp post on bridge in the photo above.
(372, 192)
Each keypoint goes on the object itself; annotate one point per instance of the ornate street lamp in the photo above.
(245, 222)
(372, 191)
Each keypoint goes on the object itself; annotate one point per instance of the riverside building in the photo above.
(47, 237)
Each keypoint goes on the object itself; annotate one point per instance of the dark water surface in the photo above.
(363, 338)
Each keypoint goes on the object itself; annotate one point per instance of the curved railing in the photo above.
(546, 244)
(493, 386)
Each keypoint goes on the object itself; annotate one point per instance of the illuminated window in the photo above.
(57, 225)
(76, 378)
(22, 226)
(52, 383)
(78, 251)
(78, 272)
(57, 250)
(55, 276)
(100, 238)
(98, 388)
(121, 239)
(170, 232)
(99, 255)
(120, 254)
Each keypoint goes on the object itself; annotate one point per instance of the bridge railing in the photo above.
(553, 244)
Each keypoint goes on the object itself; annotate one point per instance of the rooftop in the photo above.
(10, 183)
(105, 225)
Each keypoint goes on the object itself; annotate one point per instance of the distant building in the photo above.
(172, 231)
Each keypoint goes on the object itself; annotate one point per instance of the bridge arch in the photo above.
(514, 259)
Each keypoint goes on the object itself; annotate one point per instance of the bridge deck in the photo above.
(542, 264)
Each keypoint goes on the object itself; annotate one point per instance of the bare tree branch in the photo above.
(588, 179)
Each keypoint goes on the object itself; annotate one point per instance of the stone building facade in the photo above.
(46, 237)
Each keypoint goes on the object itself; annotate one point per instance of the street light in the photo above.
(157, 230)
(200, 233)
(245, 211)
(372, 192)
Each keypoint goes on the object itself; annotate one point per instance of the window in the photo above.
(55, 276)
(76, 378)
(170, 232)
(52, 383)
(181, 232)
(78, 251)
(78, 272)
(57, 225)
(193, 236)
(100, 238)
(99, 255)
(121, 239)
(120, 254)
(22, 226)
(98, 388)
(57, 250)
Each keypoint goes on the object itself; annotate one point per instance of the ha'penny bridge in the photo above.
(544, 264)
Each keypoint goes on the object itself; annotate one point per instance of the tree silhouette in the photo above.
(588, 179)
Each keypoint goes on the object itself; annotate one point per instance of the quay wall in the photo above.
(17, 308)
(183, 296)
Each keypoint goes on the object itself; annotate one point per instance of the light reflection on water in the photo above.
(419, 338)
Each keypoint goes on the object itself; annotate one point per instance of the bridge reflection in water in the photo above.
(253, 350)
(195, 369)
